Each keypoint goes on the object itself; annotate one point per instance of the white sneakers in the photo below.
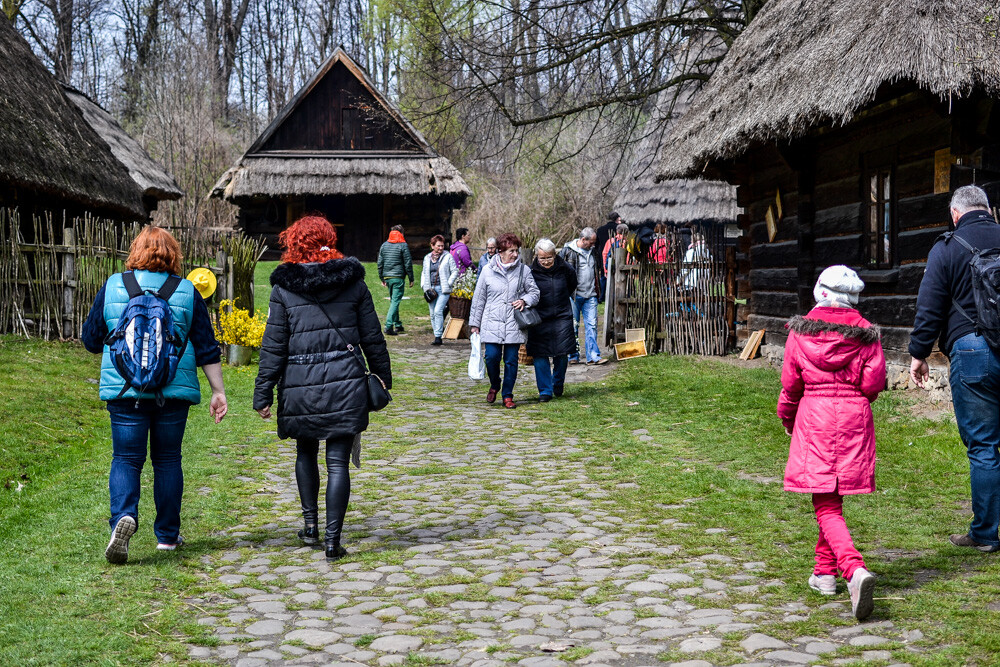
(825, 584)
(170, 547)
(861, 587)
(117, 551)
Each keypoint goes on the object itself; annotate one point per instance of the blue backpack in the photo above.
(145, 347)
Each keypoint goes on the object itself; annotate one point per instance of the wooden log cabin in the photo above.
(846, 125)
(341, 148)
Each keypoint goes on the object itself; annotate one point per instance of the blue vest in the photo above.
(185, 385)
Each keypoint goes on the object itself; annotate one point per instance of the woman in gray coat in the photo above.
(505, 284)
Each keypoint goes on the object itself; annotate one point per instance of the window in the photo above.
(879, 233)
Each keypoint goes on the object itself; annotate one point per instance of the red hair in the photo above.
(505, 241)
(156, 250)
(311, 239)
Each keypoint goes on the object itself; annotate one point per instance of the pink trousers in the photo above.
(834, 548)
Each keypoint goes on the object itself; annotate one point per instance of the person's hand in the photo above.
(474, 330)
(265, 412)
(411, 283)
(384, 285)
(519, 304)
(218, 407)
(788, 431)
(919, 372)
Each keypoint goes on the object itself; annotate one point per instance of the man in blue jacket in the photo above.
(946, 310)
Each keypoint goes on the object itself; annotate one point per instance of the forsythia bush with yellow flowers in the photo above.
(238, 327)
(465, 286)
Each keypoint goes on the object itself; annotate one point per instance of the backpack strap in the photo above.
(131, 285)
(947, 236)
(168, 287)
(965, 243)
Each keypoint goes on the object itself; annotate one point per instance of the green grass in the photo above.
(62, 603)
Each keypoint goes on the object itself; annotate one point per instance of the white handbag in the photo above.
(477, 365)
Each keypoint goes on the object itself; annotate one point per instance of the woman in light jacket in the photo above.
(506, 284)
(320, 320)
(159, 418)
(439, 273)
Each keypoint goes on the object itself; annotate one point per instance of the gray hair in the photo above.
(587, 233)
(621, 229)
(545, 245)
(492, 240)
(969, 198)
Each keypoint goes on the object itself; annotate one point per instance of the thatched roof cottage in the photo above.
(342, 148)
(676, 202)
(154, 182)
(845, 125)
(50, 159)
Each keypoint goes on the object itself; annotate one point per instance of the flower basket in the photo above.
(459, 308)
(239, 355)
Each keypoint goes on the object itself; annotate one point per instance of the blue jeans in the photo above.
(437, 312)
(494, 351)
(131, 427)
(550, 379)
(975, 391)
(587, 307)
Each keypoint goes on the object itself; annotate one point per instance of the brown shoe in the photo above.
(509, 403)
(491, 396)
(601, 361)
(966, 541)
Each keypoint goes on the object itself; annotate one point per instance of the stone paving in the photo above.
(494, 551)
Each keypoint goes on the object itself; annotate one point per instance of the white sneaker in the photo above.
(170, 547)
(826, 584)
(117, 551)
(861, 587)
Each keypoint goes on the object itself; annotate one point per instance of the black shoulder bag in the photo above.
(527, 317)
(378, 395)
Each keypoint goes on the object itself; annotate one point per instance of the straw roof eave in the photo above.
(46, 148)
(804, 64)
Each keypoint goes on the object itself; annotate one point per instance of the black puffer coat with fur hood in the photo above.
(322, 391)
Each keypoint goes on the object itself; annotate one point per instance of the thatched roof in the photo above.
(154, 181)
(643, 201)
(421, 171)
(341, 176)
(45, 145)
(805, 63)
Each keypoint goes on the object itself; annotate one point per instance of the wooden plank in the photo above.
(753, 344)
(838, 250)
(773, 279)
(923, 211)
(889, 310)
(776, 304)
(774, 255)
(838, 220)
(916, 244)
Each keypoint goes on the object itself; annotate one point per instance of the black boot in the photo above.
(335, 552)
(309, 535)
(389, 331)
(437, 341)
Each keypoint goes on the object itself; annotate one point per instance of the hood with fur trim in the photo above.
(332, 276)
(832, 338)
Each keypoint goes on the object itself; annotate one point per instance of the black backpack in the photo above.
(985, 266)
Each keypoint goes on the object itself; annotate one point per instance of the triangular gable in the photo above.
(339, 111)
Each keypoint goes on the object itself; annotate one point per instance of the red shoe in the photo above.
(491, 396)
(509, 403)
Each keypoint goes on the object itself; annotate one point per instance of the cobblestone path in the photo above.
(488, 552)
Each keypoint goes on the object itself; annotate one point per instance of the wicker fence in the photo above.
(681, 294)
(51, 269)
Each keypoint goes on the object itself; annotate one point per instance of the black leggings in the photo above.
(338, 484)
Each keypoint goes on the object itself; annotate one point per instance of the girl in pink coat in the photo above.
(834, 368)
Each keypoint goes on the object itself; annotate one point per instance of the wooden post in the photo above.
(730, 297)
(69, 283)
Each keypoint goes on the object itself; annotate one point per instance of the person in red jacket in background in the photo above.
(833, 369)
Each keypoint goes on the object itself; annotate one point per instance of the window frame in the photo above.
(879, 165)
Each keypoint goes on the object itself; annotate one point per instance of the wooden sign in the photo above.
(777, 204)
(456, 329)
(943, 160)
(753, 344)
(772, 223)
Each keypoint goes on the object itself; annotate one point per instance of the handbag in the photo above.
(378, 395)
(527, 317)
(430, 295)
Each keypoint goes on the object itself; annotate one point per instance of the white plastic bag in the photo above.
(477, 366)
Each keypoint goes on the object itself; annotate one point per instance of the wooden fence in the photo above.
(51, 269)
(681, 293)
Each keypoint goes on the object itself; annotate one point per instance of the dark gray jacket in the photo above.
(322, 391)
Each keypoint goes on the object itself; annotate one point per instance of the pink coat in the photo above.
(834, 368)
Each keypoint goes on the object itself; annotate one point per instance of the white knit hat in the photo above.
(838, 283)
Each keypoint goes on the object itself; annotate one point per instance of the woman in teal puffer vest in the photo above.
(138, 418)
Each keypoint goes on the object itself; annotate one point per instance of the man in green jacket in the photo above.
(394, 263)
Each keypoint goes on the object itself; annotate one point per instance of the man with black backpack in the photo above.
(957, 305)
